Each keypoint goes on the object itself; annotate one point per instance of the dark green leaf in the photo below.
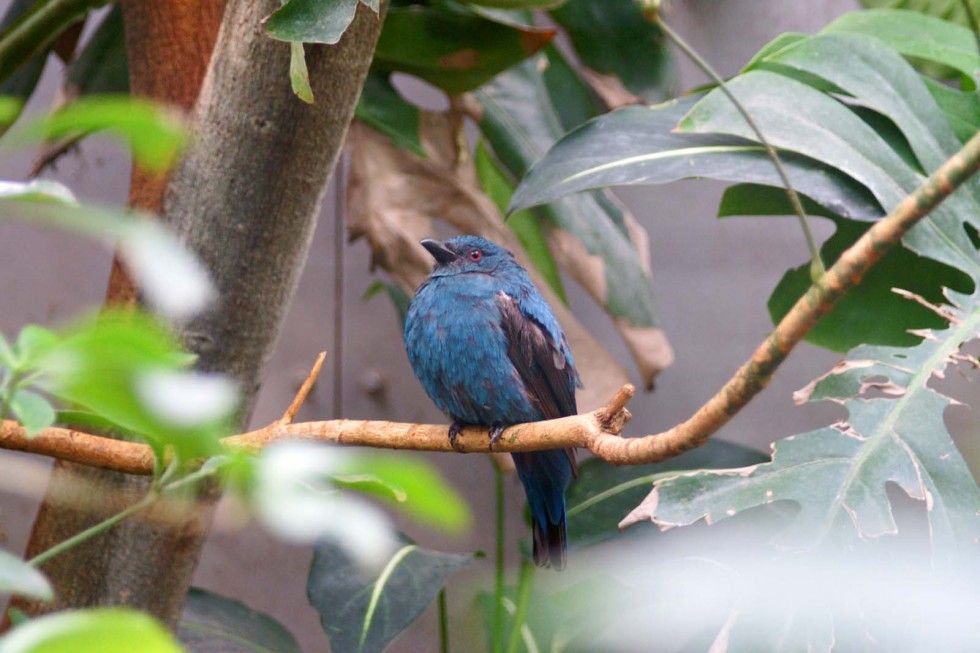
(155, 135)
(636, 145)
(17, 88)
(102, 66)
(397, 296)
(916, 36)
(32, 410)
(419, 488)
(613, 38)
(604, 493)
(520, 121)
(525, 225)
(312, 21)
(216, 624)
(106, 630)
(455, 50)
(382, 107)
(20, 579)
(962, 108)
(573, 100)
(871, 312)
(516, 4)
(364, 614)
(894, 433)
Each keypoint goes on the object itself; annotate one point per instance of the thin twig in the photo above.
(304, 390)
(817, 268)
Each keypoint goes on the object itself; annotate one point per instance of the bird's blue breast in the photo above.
(458, 349)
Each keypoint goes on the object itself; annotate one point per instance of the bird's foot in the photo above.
(454, 431)
(495, 433)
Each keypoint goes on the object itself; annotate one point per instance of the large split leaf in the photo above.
(451, 47)
(364, 614)
(950, 10)
(837, 475)
(212, 623)
(596, 240)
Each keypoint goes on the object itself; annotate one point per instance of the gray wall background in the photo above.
(712, 281)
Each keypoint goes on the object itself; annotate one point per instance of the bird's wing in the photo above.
(548, 375)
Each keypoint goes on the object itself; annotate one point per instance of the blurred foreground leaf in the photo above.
(212, 623)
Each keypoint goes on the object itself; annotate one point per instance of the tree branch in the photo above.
(598, 431)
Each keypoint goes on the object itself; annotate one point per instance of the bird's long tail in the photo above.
(545, 475)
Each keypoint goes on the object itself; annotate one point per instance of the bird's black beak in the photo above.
(442, 254)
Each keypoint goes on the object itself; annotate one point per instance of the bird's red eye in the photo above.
(476, 255)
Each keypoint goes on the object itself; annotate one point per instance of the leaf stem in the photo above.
(91, 532)
(524, 584)
(817, 268)
(443, 623)
(498, 603)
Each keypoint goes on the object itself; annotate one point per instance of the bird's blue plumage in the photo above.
(489, 351)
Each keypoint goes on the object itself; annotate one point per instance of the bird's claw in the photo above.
(495, 433)
(454, 430)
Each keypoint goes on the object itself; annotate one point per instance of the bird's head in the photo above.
(467, 254)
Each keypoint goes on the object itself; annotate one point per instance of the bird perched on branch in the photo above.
(489, 352)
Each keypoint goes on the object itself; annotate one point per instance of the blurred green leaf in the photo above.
(172, 280)
(18, 88)
(525, 225)
(216, 624)
(950, 10)
(106, 630)
(604, 493)
(33, 411)
(32, 342)
(155, 134)
(313, 21)
(419, 489)
(613, 38)
(299, 76)
(363, 613)
(37, 190)
(128, 369)
(102, 66)
(382, 107)
(460, 49)
(20, 579)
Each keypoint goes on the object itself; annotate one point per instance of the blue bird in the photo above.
(489, 352)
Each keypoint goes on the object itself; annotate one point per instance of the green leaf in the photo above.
(797, 117)
(7, 357)
(637, 145)
(894, 433)
(950, 10)
(869, 313)
(398, 297)
(37, 190)
(419, 489)
(382, 107)
(917, 36)
(32, 342)
(19, 86)
(155, 134)
(962, 108)
(313, 21)
(461, 50)
(20, 579)
(517, 4)
(362, 613)
(211, 622)
(97, 630)
(525, 225)
(32, 410)
(299, 76)
(613, 38)
(102, 66)
(604, 493)
(604, 247)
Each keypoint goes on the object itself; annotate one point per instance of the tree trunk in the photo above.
(244, 198)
